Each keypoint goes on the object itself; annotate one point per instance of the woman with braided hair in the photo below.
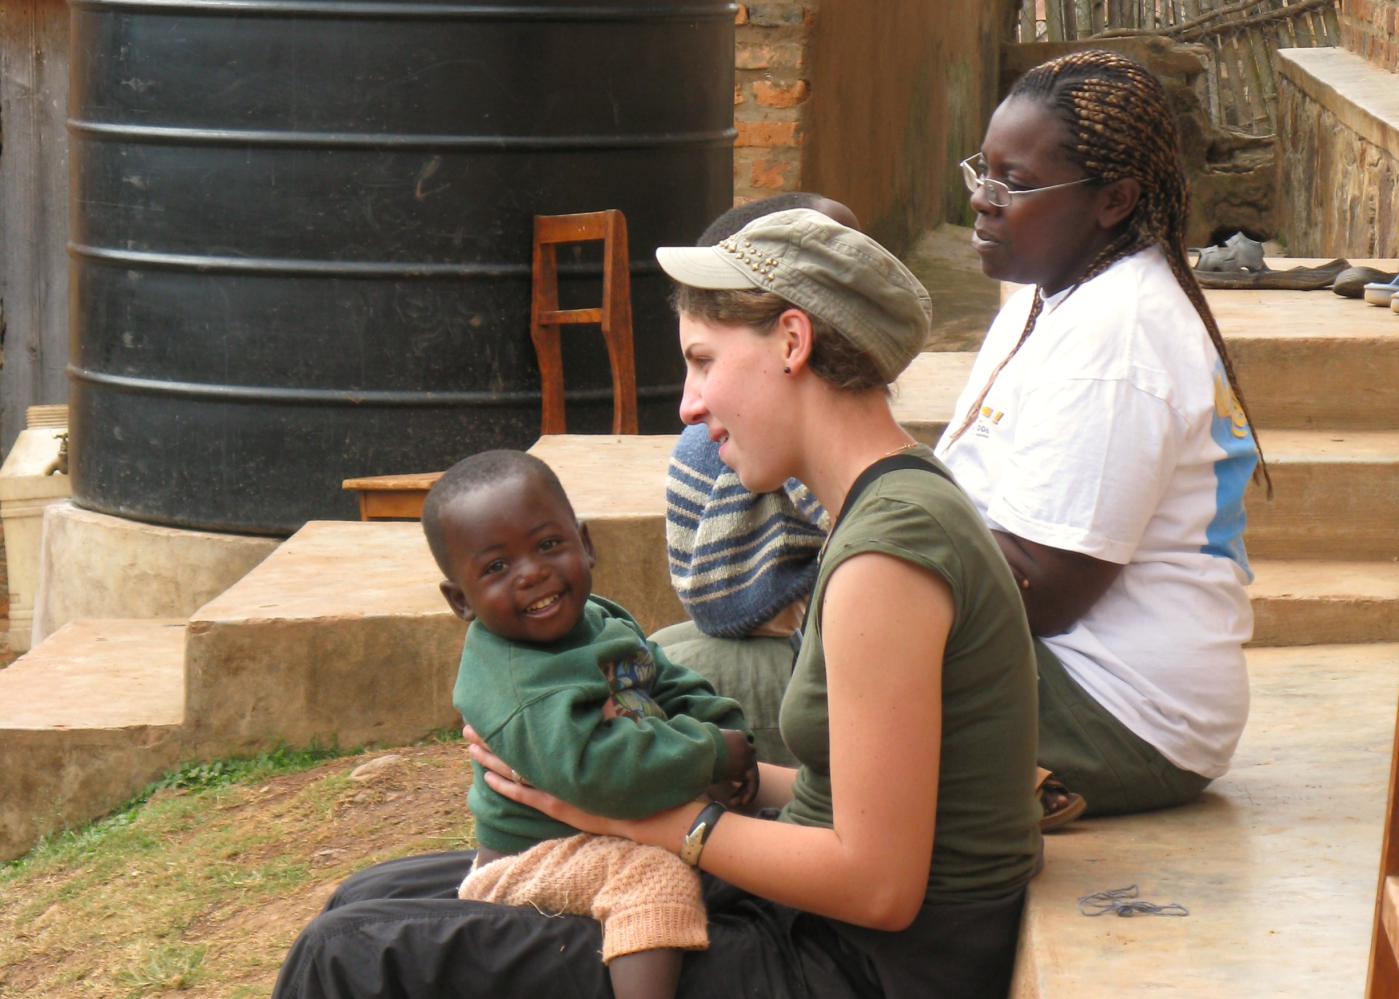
(1104, 438)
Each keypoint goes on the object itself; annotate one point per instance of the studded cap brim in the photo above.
(703, 267)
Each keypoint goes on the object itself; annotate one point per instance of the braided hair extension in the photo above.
(1120, 126)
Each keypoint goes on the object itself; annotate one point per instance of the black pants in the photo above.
(398, 931)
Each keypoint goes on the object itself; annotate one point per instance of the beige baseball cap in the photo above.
(831, 271)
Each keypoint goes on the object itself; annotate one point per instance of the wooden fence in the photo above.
(1241, 35)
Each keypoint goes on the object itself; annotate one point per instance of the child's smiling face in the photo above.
(520, 562)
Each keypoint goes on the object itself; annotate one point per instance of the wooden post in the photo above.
(33, 209)
(1028, 24)
(1264, 80)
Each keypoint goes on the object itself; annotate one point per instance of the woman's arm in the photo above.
(1058, 586)
(885, 623)
(775, 786)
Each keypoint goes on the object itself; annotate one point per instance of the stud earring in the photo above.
(786, 371)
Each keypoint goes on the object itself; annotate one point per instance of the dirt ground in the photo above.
(203, 892)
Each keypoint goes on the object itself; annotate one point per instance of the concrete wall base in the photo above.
(93, 565)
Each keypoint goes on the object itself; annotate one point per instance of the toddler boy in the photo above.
(563, 687)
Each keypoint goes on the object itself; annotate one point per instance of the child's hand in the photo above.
(739, 785)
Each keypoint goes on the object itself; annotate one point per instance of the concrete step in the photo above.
(339, 636)
(87, 718)
(925, 395)
(1321, 601)
(1336, 495)
(1311, 359)
(1277, 862)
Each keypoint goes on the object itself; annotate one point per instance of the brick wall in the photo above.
(770, 94)
(1370, 28)
(871, 104)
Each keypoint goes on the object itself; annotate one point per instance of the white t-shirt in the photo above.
(1113, 432)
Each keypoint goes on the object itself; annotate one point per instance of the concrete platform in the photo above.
(87, 719)
(93, 565)
(1277, 863)
(339, 635)
(1321, 601)
(1336, 495)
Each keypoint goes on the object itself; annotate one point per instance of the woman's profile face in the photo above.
(731, 373)
(1047, 237)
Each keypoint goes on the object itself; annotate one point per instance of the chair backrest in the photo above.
(614, 315)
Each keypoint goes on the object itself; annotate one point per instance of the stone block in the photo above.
(340, 636)
(93, 565)
(26, 490)
(87, 719)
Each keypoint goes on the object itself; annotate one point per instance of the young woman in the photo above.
(904, 840)
(1104, 439)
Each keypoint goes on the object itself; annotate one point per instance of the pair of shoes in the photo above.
(1293, 279)
(1239, 253)
(1061, 806)
(1350, 283)
(1382, 293)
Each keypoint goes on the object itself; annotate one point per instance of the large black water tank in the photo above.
(301, 233)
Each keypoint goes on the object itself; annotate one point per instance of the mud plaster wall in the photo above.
(900, 92)
(1339, 193)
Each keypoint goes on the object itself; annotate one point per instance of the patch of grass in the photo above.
(201, 883)
(163, 968)
(121, 834)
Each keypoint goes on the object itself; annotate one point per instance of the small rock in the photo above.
(370, 770)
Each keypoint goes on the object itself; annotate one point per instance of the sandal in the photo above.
(1351, 282)
(1239, 253)
(1061, 806)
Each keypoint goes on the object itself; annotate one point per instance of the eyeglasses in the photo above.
(996, 191)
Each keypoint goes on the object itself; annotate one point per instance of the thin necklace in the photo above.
(887, 454)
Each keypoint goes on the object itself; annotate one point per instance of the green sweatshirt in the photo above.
(539, 707)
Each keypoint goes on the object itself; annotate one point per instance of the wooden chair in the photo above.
(1384, 937)
(400, 497)
(392, 497)
(614, 316)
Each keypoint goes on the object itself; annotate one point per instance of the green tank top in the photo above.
(987, 836)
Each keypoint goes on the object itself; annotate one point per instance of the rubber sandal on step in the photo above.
(1061, 806)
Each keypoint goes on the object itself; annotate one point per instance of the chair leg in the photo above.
(544, 299)
(547, 346)
(616, 326)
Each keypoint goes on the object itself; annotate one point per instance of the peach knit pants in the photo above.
(646, 898)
